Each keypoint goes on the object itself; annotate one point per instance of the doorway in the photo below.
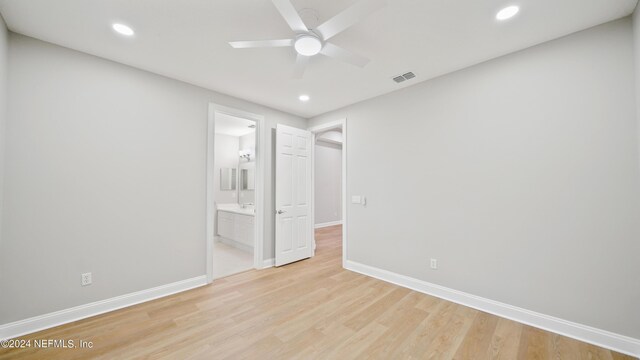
(235, 191)
(329, 182)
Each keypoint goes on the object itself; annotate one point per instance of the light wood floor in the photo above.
(309, 309)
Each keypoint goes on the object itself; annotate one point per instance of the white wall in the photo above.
(105, 172)
(4, 47)
(226, 148)
(328, 182)
(636, 46)
(247, 142)
(520, 175)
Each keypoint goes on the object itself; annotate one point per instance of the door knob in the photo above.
(280, 212)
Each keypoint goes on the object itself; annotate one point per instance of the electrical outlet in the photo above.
(86, 279)
(434, 263)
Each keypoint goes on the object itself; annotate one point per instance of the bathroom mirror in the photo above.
(247, 179)
(227, 179)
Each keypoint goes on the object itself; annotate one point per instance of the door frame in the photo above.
(338, 124)
(261, 147)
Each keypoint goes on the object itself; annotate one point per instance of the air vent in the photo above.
(406, 76)
(409, 75)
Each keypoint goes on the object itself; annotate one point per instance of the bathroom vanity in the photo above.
(236, 225)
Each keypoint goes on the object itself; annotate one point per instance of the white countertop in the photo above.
(236, 208)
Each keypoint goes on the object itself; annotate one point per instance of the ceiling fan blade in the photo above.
(300, 67)
(348, 17)
(290, 15)
(261, 43)
(339, 53)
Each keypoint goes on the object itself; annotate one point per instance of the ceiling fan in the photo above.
(310, 42)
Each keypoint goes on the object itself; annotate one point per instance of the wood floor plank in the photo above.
(505, 341)
(536, 344)
(388, 345)
(358, 342)
(419, 342)
(447, 343)
(312, 309)
(478, 339)
(564, 348)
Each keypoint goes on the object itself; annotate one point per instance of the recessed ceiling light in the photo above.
(507, 12)
(304, 98)
(308, 45)
(123, 29)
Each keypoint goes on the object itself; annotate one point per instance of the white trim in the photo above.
(328, 141)
(211, 204)
(313, 191)
(327, 224)
(338, 124)
(37, 323)
(269, 263)
(261, 148)
(602, 338)
(344, 191)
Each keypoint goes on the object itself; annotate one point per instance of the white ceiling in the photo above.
(187, 40)
(234, 126)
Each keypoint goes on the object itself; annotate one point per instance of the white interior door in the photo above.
(294, 230)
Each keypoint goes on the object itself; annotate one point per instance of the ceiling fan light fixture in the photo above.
(307, 45)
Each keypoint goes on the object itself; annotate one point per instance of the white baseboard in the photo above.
(268, 263)
(37, 323)
(602, 338)
(327, 224)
